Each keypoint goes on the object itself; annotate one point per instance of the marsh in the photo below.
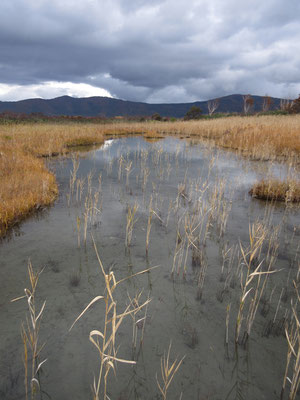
(191, 204)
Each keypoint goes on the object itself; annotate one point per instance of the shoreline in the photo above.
(26, 184)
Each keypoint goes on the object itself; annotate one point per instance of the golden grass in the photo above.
(25, 183)
(49, 139)
(276, 189)
(264, 137)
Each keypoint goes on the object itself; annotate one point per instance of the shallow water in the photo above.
(195, 192)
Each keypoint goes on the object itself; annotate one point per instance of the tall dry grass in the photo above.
(287, 190)
(105, 340)
(261, 137)
(264, 137)
(30, 338)
(26, 184)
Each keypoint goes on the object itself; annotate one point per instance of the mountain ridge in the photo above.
(111, 107)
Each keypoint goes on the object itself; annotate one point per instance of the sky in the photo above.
(154, 51)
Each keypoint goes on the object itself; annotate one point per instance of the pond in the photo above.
(180, 210)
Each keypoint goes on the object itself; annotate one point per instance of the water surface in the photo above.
(183, 180)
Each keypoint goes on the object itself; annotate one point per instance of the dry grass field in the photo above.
(25, 183)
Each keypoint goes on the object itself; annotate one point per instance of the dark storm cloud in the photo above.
(156, 51)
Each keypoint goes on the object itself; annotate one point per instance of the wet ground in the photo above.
(200, 213)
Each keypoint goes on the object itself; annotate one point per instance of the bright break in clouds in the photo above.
(154, 51)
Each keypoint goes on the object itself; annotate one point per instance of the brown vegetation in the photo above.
(25, 184)
(278, 190)
(264, 137)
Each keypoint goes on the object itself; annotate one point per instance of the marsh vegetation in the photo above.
(26, 185)
(151, 243)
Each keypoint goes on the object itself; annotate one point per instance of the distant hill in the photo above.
(109, 107)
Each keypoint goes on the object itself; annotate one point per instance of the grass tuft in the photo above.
(277, 190)
(25, 186)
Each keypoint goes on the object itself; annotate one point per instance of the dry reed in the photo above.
(131, 211)
(252, 280)
(105, 340)
(30, 336)
(168, 372)
(149, 225)
(24, 188)
(276, 189)
(292, 333)
(25, 185)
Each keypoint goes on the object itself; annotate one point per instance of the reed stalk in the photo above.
(292, 333)
(168, 372)
(105, 340)
(138, 322)
(228, 308)
(121, 162)
(73, 175)
(131, 211)
(257, 235)
(149, 225)
(128, 169)
(78, 223)
(30, 337)
(146, 173)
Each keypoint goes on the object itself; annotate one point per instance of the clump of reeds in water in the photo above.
(73, 176)
(105, 340)
(229, 271)
(254, 282)
(139, 318)
(276, 325)
(92, 202)
(128, 169)
(30, 337)
(292, 369)
(168, 372)
(277, 190)
(131, 220)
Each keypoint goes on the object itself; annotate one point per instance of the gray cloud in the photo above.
(155, 51)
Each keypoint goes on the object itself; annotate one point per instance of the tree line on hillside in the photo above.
(286, 107)
(194, 113)
(37, 117)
